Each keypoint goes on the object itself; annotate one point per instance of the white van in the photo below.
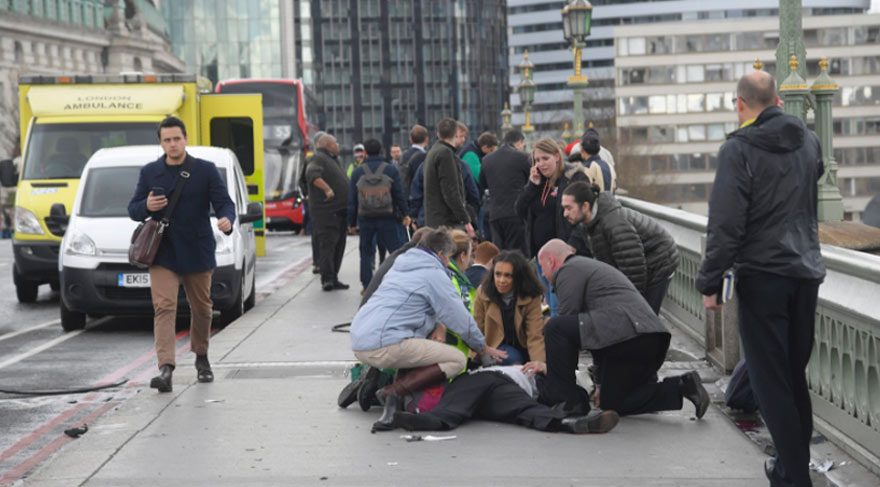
(96, 277)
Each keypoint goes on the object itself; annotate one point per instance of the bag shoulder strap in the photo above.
(366, 168)
(381, 169)
(178, 188)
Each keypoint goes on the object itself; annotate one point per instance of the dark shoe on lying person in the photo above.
(351, 392)
(203, 369)
(162, 382)
(366, 395)
(692, 389)
(596, 422)
(417, 422)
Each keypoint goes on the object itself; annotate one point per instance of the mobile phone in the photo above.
(158, 191)
(728, 284)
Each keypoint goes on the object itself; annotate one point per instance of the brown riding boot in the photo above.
(391, 396)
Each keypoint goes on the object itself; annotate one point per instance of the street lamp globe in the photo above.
(577, 18)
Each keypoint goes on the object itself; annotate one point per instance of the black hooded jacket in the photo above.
(763, 207)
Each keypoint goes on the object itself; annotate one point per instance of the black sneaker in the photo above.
(366, 395)
(692, 389)
(340, 285)
(327, 286)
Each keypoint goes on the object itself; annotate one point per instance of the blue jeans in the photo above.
(549, 295)
(514, 355)
(372, 232)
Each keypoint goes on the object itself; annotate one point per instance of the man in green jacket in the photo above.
(444, 197)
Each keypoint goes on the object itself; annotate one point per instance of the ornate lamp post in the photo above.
(505, 119)
(830, 200)
(566, 133)
(527, 92)
(576, 19)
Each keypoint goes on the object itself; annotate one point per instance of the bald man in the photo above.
(601, 311)
(763, 222)
(328, 203)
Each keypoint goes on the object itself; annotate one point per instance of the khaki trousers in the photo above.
(416, 352)
(164, 284)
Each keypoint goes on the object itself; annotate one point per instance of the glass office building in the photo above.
(379, 66)
(225, 39)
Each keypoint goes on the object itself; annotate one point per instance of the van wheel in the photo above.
(25, 291)
(235, 311)
(252, 297)
(71, 320)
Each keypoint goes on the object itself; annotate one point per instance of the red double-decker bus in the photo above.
(289, 122)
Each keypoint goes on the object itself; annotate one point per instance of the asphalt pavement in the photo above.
(36, 355)
(271, 418)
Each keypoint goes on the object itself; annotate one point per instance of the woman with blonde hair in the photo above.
(540, 204)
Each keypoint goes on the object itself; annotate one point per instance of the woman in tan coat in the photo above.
(508, 310)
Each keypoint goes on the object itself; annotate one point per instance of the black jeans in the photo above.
(655, 293)
(627, 371)
(509, 233)
(328, 238)
(777, 318)
(494, 397)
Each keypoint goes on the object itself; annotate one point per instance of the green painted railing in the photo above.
(844, 371)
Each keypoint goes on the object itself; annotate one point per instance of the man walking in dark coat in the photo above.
(601, 311)
(376, 225)
(186, 251)
(328, 202)
(444, 197)
(505, 173)
(763, 222)
(625, 239)
(413, 157)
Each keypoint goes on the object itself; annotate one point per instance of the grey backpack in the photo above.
(374, 193)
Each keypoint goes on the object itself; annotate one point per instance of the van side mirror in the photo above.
(8, 173)
(58, 215)
(253, 213)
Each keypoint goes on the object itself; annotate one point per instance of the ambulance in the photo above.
(65, 119)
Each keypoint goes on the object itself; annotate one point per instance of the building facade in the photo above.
(379, 66)
(536, 25)
(53, 37)
(676, 84)
(229, 39)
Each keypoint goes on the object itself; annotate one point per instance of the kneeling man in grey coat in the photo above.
(601, 311)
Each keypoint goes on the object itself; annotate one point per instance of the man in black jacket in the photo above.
(763, 221)
(328, 203)
(444, 183)
(413, 157)
(601, 311)
(505, 173)
(625, 239)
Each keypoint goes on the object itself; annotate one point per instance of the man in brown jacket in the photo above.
(444, 186)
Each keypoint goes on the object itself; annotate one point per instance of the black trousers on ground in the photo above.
(509, 233)
(777, 321)
(655, 293)
(494, 397)
(627, 371)
(329, 236)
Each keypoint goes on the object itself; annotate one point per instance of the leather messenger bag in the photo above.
(147, 237)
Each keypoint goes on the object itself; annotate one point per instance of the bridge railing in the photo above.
(844, 371)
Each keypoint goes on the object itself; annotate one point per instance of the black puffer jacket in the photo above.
(632, 242)
(763, 207)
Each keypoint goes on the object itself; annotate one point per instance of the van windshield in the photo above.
(108, 191)
(60, 150)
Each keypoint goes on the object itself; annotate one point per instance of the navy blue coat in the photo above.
(188, 245)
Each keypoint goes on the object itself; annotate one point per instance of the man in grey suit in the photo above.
(601, 311)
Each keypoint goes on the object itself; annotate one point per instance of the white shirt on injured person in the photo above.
(525, 381)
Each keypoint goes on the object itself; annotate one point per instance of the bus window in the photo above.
(236, 134)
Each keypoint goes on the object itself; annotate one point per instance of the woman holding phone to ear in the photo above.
(540, 204)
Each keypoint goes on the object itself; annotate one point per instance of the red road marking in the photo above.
(62, 439)
(66, 414)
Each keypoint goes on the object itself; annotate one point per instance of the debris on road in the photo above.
(412, 438)
(821, 467)
(76, 432)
